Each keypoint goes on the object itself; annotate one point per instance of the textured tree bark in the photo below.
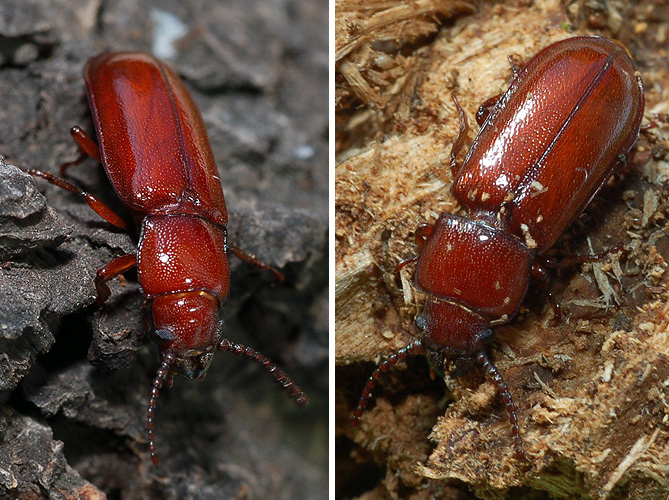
(590, 390)
(74, 378)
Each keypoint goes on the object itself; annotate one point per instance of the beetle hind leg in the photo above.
(97, 205)
(87, 148)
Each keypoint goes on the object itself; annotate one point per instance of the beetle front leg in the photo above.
(110, 271)
(421, 234)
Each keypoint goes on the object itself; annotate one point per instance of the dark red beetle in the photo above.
(156, 152)
(566, 122)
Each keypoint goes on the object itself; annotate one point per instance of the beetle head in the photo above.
(187, 325)
(451, 326)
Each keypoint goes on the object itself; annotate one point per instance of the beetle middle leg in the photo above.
(481, 116)
(539, 270)
(460, 138)
(583, 259)
(485, 108)
(251, 259)
(540, 273)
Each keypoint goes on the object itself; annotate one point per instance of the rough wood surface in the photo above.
(75, 378)
(591, 390)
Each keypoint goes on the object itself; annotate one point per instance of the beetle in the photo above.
(155, 150)
(546, 146)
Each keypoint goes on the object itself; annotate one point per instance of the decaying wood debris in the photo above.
(592, 390)
(75, 378)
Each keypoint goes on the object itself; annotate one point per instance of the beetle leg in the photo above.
(277, 374)
(655, 122)
(491, 371)
(460, 138)
(539, 272)
(98, 206)
(421, 234)
(413, 348)
(485, 108)
(110, 271)
(87, 147)
(251, 259)
(402, 264)
(64, 166)
(164, 371)
(582, 259)
(516, 63)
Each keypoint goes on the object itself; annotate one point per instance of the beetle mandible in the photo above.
(552, 140)
(154, 147)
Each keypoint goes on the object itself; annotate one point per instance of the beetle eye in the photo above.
(420, 322)
(165, 335)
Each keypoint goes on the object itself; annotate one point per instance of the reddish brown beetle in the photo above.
(156, 152)
(552, 140)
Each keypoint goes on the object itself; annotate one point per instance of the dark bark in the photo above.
(74, 377)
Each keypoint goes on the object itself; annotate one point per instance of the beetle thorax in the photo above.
(475, 275)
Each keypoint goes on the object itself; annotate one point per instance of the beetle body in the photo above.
(551, 142)
(567, 120)
(155, 150)
(154, 147)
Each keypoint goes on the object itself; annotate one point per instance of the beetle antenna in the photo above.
(301, 399)
(383, 367)
(491, 371)
(161, 375)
